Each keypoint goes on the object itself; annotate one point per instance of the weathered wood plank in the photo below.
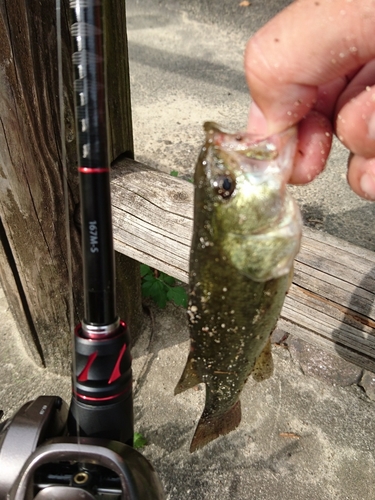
(152, 217)
(331, 300)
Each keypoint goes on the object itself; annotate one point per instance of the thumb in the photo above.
(308, 44)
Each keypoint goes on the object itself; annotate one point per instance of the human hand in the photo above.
(314, 64)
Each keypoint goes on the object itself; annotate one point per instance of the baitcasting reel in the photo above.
(39, 461)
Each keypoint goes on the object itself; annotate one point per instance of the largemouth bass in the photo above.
(247, 231)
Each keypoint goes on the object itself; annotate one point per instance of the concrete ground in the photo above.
(301, 437)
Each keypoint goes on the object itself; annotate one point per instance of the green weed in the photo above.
(139, 441)
(174, 173)
(161, 288)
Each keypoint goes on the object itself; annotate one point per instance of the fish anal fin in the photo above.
(263, 368)
(211, 427)
(189, 377)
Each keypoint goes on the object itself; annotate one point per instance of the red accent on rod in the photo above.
(116, 370)
(92, 170)
(84, 375)
(107, 398)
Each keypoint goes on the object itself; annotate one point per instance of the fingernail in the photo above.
(257, 123)
(367, 184)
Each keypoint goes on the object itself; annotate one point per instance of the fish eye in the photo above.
(224, 185)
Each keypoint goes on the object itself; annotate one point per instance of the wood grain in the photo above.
(152, 217)
(31, 198)
(331, 301)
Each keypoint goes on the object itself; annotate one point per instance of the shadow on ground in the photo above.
(354, 226)
(357, 314)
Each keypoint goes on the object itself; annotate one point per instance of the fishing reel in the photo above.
(39, 461)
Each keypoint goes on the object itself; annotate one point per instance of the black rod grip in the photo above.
(102, 402)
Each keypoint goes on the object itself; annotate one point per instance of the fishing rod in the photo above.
(48, 450)
(102, 404)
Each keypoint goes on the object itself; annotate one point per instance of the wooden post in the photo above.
(33, 264)
(128, 283)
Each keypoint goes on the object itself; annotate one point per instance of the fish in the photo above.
(246, 234)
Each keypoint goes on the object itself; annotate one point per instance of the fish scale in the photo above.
(247, 231)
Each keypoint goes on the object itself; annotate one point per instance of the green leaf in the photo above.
(149, 277)
(146, 288)
(145, 270)
(152, 288)
(158, 293)
(174, 173)
(139, 441)
(160, 287)
(161, 299)
(178, 295)
(167, 279)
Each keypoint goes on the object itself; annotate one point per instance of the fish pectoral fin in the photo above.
(189, 377)
(263, 368)
(211, 427)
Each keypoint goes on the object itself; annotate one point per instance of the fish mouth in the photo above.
(243, 141)
(253, 150)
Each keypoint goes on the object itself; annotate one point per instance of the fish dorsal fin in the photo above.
(263, 368)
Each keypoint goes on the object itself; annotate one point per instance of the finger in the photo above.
(355, 121)
(364, 78)
(310, 43)
(355, 124)
(314, 144)
(327, 96)
(361, 176)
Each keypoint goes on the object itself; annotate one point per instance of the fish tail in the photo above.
(189, 377)
(211, 427)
